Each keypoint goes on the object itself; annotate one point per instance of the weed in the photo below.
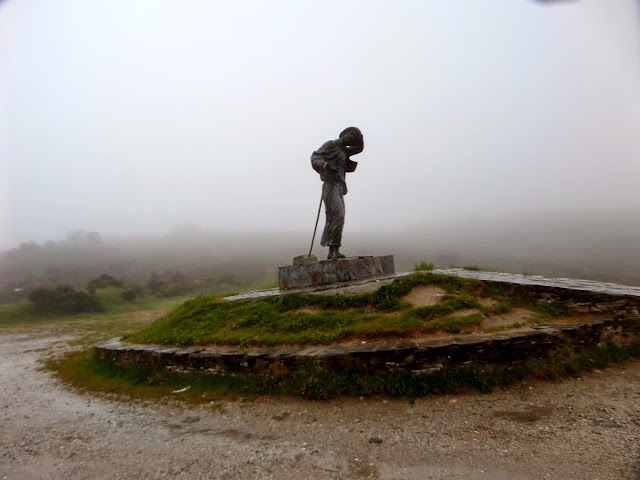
(502, 328)
(501, 307)
(423, 266)
(553, 308)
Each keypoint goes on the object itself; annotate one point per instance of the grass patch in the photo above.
(513, 296)
(302, 318)
(456, 324)
(473, 268)
(276, 320)
(111, 298)
(23, 312)
(553, 309)
(503, 306)
(502, 328)
(86, 371)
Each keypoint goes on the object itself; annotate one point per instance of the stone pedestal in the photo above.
(334, 271)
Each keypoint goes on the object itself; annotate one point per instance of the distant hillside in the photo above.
(595, 245)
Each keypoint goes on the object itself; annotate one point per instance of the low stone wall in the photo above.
(487, 351)
(618, 303)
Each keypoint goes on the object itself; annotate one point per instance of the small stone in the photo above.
(191, 420)
(299, 456)
(607, 424)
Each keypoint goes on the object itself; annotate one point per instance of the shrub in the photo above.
(423, 266)
(103, 281)
(129, 295)
(64, 299)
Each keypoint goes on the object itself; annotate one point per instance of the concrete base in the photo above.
(334, 271)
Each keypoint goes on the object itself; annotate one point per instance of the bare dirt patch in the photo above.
(424, 295)
(517, 315)
(488, 301)
(309, 310)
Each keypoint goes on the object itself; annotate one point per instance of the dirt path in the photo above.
(580, 429)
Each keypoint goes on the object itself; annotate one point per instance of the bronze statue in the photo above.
(332, 161)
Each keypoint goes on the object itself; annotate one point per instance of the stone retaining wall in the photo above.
(485, 351)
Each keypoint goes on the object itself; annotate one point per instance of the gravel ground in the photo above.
(586, 428)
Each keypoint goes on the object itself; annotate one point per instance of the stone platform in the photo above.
(620, 304)
(334, 271)
(484, 351)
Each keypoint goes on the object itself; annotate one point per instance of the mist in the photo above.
(500, 133)
(597, 245)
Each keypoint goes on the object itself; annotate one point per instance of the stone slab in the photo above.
(328, 272)
(571, 286)
(305, 259)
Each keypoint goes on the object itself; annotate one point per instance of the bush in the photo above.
(64, 299)
(129, 295)
(418, 267)
(103, 281)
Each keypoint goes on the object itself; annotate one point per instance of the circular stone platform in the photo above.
(620, 305)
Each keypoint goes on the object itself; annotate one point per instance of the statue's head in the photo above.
(352, 137)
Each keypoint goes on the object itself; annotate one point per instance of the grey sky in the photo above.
(128, 117)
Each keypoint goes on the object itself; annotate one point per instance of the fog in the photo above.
(598, 245)
(501, 132)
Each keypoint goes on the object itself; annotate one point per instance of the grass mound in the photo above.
(299, 318)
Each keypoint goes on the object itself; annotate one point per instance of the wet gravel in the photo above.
(587, 428)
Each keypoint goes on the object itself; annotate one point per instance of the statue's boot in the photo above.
(334, 252)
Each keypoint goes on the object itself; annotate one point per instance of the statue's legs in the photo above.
(333, 198)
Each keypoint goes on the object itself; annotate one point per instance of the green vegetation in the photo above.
(316, 319)
(423, 266)
(103, 281)
(64, 300)
(112, 299)
(299, 318)
(85, 370)
(473, 268)
(502, 328)
(553, 308)
(302, 318)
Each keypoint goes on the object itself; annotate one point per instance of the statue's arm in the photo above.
(354, 150)
(318, 163)
(320, 159)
